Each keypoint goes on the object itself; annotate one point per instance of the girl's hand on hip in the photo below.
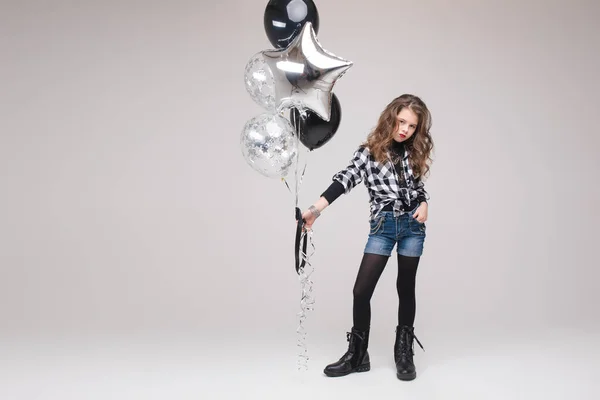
(421, 213)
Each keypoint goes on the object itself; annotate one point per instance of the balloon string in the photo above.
(298, 181)
(306, 269)
(306, 303)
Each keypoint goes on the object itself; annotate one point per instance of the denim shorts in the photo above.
(404, 230)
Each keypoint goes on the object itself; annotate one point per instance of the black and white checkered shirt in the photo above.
(382, 182)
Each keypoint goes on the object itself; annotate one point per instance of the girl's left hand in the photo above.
(421, 213)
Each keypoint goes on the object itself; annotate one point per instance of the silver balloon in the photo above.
(269, 145)
(304, 73)
(260, 83)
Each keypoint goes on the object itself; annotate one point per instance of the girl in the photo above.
(392, 163)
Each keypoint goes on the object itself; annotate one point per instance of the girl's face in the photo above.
(407, 124)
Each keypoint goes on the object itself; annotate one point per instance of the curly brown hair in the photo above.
(419, 145)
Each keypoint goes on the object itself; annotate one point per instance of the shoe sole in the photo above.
(407, 377)
(360, 368)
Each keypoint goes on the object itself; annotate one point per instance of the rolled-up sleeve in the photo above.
(355, 172)
(422, 195)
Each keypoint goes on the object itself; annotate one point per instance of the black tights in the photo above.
(370, 270)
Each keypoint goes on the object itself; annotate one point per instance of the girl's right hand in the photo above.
(309, 219)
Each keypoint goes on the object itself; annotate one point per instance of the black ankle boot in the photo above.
(356, 359)
(403, 353)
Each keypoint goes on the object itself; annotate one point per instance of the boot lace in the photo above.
(351, 335)
(406, 343)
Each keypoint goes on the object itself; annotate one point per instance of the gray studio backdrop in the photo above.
(126, 206)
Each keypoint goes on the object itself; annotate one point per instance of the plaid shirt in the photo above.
(382, 182)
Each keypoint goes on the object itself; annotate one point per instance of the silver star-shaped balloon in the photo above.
(305, 73)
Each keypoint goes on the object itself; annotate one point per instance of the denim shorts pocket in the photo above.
(416, 227)
(377, 225)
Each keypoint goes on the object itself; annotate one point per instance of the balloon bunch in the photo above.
(297, 76)
(294, 84)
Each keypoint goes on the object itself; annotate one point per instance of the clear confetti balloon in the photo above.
(269, 145)
(260, 83)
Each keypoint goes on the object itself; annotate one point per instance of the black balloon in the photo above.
(312, 130)
(284, 20)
